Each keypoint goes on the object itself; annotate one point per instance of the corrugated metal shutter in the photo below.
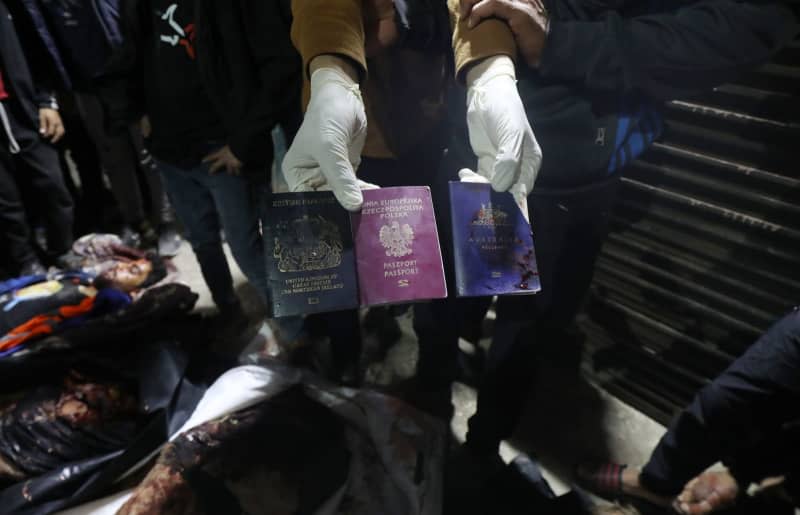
(704, 249)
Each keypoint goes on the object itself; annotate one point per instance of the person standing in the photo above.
(593, 79)
(376, 78)
(29, 125)
(210, 80)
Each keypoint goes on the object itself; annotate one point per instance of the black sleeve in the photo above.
(47, 75)
(669, 55)
(266, 26)
(121, 88)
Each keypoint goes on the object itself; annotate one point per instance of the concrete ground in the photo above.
(568, 420)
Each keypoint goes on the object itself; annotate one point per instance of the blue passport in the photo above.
(492, 243)
(308, 244)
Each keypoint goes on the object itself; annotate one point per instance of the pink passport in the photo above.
(397, 247)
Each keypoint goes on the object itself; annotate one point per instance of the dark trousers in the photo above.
(569, 227)
(205, 205)
(119, 155)
(35, 169)
(89, 193)
(748, 417)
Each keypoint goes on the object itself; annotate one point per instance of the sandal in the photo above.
(605, 479)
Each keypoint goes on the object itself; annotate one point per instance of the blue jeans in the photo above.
(748, 418)
(206, 204)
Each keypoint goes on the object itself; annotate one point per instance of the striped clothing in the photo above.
(3, 92)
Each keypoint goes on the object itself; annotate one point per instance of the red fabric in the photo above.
(43, 324)
(3, 92)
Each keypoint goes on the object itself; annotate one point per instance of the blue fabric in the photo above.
(748, 418)
(107, 301)
(39, 21)
(206, 204)
(637, 129)
(108, 15)
(18, 283)
(87, 33)
(11, 351)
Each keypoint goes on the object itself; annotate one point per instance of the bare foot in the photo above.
(707, 493)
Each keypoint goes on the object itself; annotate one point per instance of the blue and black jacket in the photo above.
(609, 66)
(27, 72)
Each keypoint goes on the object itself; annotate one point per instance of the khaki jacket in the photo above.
(403, 89)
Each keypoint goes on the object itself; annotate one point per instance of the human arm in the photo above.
(500, 134)
(327, 148)
(664, 56)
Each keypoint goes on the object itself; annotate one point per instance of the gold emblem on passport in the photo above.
(397, 239)
(307, 244)
(491, 216)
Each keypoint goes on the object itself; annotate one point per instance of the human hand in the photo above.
(50, 125)
(527, 19)
(223, 159)
(707, 493)
(509, 156)
(145, 127)
(327, 149)
(380, 29)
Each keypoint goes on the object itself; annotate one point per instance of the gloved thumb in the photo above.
(467, 175)
(364, 185)
(341, 177)
(506, 169)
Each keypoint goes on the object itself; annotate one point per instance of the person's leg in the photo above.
(13, 223)
(569, 228)
(343, 329)
(161, 212)
(91, 212)
(746, 406)
(237, 200)
(160, 208)
(438, 324)
(37, 164)
(194, 204)
(117, 157)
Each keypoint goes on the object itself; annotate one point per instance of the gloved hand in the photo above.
(467, 175)
(501, 136)
(327, 149)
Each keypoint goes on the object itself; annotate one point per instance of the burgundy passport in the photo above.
(397, 247)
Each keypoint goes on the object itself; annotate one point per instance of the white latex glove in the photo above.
(327, 149)
(467, 175)
(501, 136)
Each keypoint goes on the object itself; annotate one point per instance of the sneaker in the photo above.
(130, 237)
(169, 240)
(32, 268)
(68, 261)
(232, 330)
(149, 236)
